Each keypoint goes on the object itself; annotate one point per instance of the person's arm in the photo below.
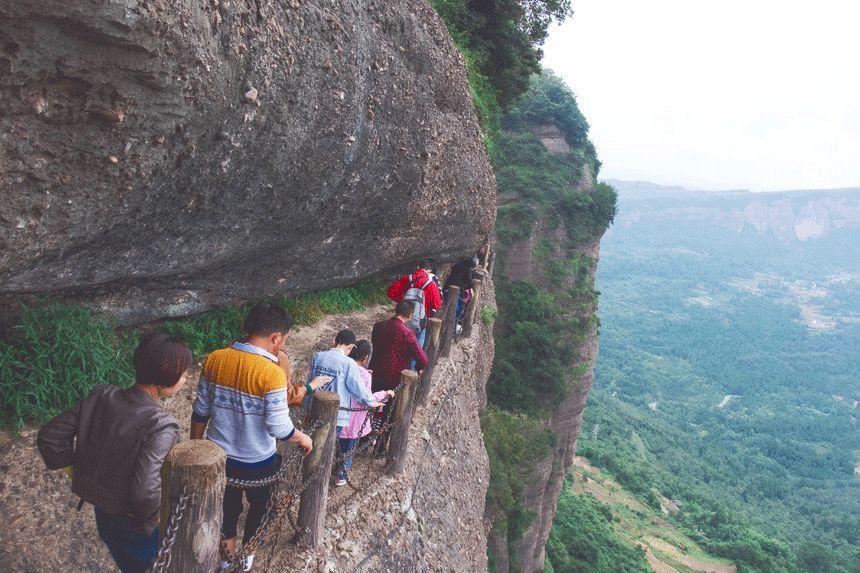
(145, 488)
(201, 410)
(417, 352)
(355, 386)
(303, 440)
(56, 440)
(395, 291)
(296, 394)
(284, 363)
(434, 299)
(383, 395)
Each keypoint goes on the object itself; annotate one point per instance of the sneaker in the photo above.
(340, 482)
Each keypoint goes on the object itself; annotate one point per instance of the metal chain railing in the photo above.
(277, 505)
(280, 503)
(162, 558)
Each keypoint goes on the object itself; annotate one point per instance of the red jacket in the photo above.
(394, 346)
(432, 296)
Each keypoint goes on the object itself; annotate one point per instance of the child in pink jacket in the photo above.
(359, 424)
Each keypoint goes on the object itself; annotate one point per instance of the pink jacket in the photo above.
(356, 419)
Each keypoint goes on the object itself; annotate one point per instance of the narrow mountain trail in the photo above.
(42, 530)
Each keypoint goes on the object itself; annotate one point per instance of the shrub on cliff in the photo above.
(515, 443)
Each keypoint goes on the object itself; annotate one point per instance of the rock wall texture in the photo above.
(161, 158)
(430, 518)
(540, 495)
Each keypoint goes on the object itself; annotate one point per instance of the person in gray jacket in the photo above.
(115, 441)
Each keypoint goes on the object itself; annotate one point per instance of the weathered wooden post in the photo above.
(431, 348)
(193, 476)
(449, 321)
(316, 469)
(472, 308)
(399, 440)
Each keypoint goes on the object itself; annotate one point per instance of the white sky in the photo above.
(758, 94)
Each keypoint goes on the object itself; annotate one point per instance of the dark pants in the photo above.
(133, 552)
(257, 497)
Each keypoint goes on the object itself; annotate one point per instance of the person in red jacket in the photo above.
(394, 349)
(422, 278)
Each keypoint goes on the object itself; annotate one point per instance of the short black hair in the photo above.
(426, 264)
(265, 319)
(362, 350)
(405, 308)
(344, 337)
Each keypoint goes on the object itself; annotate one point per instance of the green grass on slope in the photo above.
(55, 354)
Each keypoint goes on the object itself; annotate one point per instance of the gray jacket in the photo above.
(116, 441)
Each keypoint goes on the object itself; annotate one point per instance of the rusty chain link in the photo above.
(162, 559)
(277, 505)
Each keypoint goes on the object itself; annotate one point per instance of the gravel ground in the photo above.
(430, 518)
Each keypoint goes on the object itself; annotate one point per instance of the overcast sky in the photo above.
(758, 94)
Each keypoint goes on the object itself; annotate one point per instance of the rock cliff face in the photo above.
(540, 495)
(161, 158)
(790, 216)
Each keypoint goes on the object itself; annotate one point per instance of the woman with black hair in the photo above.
(115, 441)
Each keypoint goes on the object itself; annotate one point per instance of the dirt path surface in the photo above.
(42, 531)
(430, 518)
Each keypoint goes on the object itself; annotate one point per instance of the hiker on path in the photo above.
(359, 425)
(394, 346)
(296, 393)
(242, 405)
(115, 441)
(423, 291)
(463, 275)
(346, 380)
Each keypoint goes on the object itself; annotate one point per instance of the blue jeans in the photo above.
(421, 336)
(347, 448)
(133, 552)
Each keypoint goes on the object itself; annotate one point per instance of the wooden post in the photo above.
(431, 348)
(198, 466)
(317, 468)
(449, 321)
(399, 441)
(472, 308)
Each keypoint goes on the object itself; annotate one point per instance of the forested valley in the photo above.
(728, 378)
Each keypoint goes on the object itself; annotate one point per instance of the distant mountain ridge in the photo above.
(798, 215)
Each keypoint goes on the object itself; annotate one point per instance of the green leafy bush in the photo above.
(583, 539)
(515, 442)
(55, 354)
(217, 328)
(549, 101)
(504, 37)
(53, 357)
(489, 314)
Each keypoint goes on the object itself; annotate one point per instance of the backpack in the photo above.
(416, 295)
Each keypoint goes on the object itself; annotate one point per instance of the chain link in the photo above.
(162, 559)
(277, 505)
